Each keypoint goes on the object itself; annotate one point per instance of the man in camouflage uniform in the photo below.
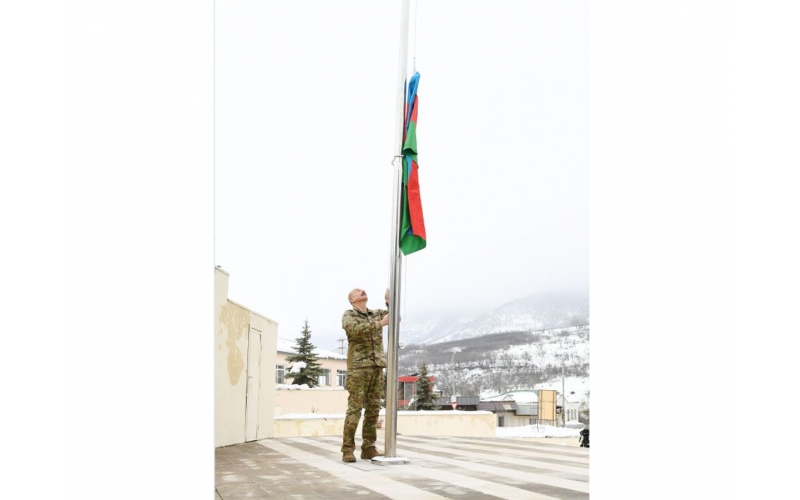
(365, 364)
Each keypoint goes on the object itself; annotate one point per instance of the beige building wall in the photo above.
(236, 362)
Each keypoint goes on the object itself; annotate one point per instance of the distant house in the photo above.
(407, 389)
(571, 407)
(514, 408)
(506, 412)
(521, 407)
(334, 365)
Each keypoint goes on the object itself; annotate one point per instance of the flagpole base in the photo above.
(391, 461)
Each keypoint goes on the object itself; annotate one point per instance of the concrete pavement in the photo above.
(441, 467)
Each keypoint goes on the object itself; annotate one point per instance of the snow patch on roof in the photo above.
(287, 346)
(304, 387)
(578, 385)
(516, 396)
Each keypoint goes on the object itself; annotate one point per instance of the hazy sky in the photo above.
(304, 139)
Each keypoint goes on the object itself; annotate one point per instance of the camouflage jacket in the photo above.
(364, 338)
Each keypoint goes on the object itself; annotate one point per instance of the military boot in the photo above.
(370, 453)
(348, 456)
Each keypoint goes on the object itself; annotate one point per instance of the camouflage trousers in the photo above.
(365, 386)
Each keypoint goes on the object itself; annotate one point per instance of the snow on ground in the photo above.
(536, 431)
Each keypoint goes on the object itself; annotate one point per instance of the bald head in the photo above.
(358, 298)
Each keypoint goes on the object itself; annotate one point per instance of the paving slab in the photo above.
(310, 468)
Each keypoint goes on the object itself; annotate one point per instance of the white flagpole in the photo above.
(397, 262)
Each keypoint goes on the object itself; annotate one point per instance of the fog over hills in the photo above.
(535, 312)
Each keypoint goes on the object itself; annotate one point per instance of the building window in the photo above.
(341, 378)
(501, 421)
(325, 378)
(280, 371)
(530, 421)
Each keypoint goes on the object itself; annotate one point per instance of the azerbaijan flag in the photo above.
(412, 225)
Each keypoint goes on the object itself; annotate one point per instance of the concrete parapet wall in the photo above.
(306, 427)
(446, 423)
(324, 401)
(409, 423)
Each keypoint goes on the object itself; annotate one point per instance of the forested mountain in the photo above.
(499, 362)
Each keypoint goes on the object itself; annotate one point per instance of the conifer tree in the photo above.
(424, 390)
(310, 369)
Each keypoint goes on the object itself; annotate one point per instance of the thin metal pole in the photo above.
(563, 397)
(453, 374)
(397, 262)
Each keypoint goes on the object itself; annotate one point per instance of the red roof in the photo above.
(413, 378)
